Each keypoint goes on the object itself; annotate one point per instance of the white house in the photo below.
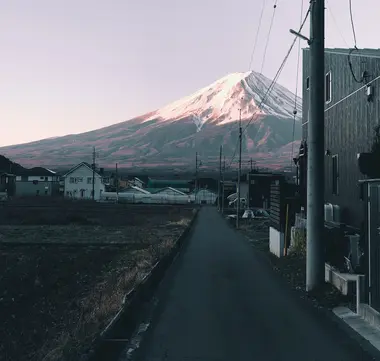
(78, 182)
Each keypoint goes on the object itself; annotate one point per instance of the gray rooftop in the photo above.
(372, 53)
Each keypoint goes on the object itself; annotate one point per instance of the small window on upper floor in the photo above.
(328, 87)
(307, 83)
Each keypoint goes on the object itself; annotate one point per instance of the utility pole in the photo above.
(196, 176)
(117, 184)
(220, 176)
(251, 165)
(315, 158)
(93, 173)
(239, 173)
(224, 170)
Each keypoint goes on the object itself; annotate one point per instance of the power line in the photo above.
(273, 83)
(296, 93)
(257, 35)
(363, 78)
(336, 23)
(268, 36)
(352, 22)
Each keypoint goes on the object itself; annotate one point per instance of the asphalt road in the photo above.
(222, 302)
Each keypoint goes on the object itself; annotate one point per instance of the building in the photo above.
(137, 182)
(37, 181)
(8, 184)
(352, 108)
(259, 189)
(79, 182)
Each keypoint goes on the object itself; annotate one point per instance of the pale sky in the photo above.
(71, 66)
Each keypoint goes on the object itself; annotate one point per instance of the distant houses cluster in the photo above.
(83, 182)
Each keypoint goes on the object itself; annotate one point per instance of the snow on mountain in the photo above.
(221, 101)
(170, 136)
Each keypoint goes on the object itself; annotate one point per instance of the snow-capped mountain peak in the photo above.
(221, 101)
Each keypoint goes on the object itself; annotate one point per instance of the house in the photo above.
(352, 108)
(79, 182)
(8, 184)
(259, 188)
(37, 181)
(137, 182)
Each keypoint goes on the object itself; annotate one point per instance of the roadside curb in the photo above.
(125, 321)
(365, 350)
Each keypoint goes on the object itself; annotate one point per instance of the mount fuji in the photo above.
(169, 137)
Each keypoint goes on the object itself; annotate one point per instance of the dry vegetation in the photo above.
(61, 282)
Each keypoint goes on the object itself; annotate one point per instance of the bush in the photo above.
(300, 241)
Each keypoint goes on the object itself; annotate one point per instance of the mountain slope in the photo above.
(170, 136)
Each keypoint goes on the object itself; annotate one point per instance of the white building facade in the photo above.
(78, 183)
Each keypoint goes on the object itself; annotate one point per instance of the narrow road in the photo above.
(222, 302)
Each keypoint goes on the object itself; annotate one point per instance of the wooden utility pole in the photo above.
(224, 170)
(196, 176)
(239, 173)
(315, 158)
(117, 184)
(93, 173)
(220, 176)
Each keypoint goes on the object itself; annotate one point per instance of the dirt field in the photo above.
(60, 285)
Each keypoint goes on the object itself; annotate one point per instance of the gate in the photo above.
(373, 219)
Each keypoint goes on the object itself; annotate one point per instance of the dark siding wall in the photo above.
(349, 125)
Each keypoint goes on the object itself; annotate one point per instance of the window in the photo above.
(35, 182)
(335, 174)
(79, 180)
(46, 193)
(89, 180)
(37, 192)
(307, 83)
(328, 87)
(46, 178)
(42, 178)
(71, 179)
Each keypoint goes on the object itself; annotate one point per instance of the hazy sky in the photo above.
(74, 65)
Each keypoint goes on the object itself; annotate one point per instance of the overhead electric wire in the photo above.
(336, 23)
(257, 35)
(273, 83)
(268, 36)
(363, 78)
(296, 92)
(352, 22)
